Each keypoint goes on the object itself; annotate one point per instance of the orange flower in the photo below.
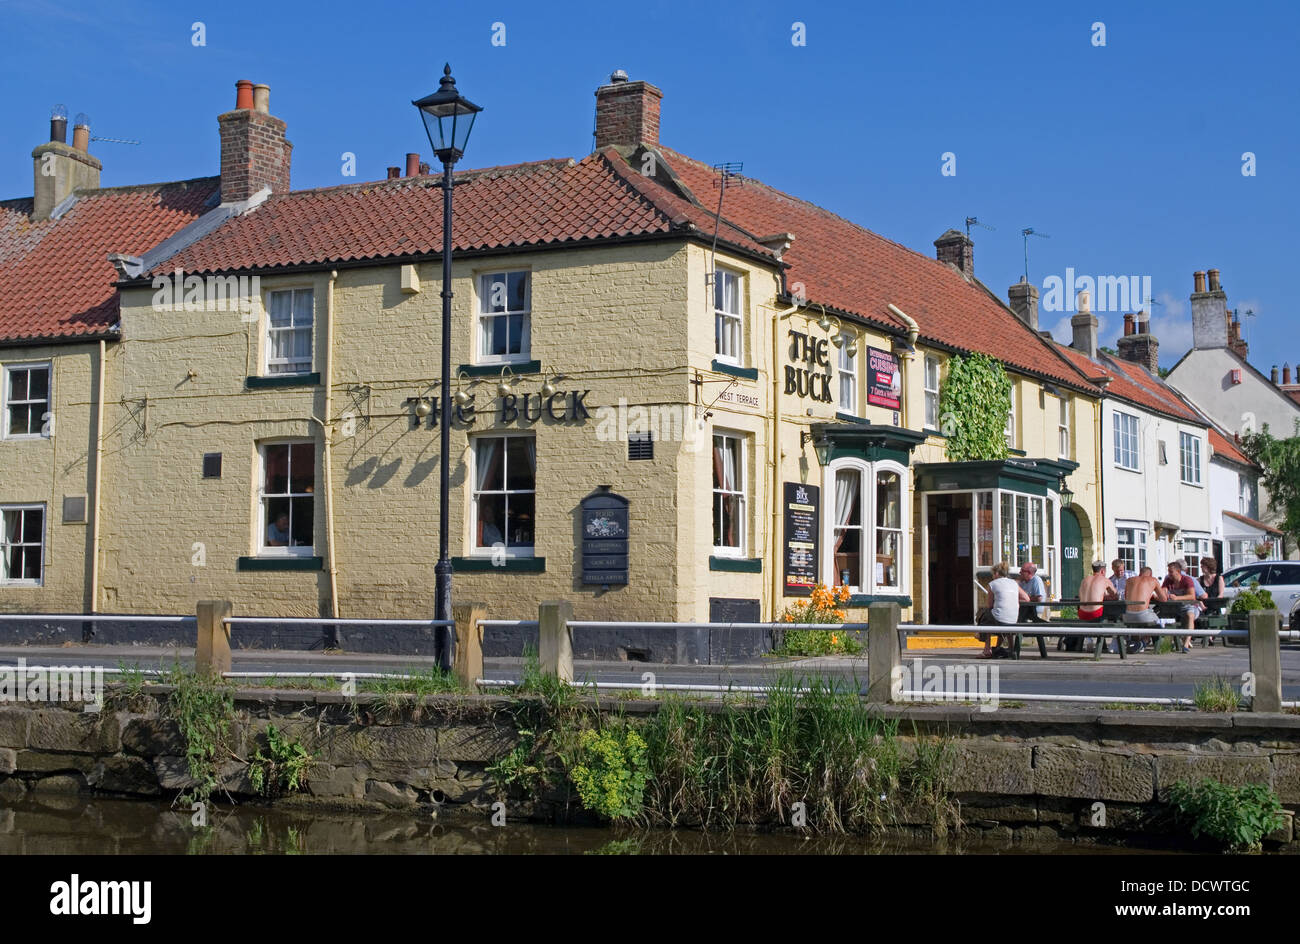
(834, 640)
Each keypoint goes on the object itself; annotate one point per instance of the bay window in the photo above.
(865, 540)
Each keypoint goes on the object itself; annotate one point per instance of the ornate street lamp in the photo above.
(448, 119)
(1067, 496)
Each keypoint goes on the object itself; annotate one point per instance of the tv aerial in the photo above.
(1026, 233)
(972, 221)
(84, 119)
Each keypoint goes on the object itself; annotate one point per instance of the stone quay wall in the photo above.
(1023, 773)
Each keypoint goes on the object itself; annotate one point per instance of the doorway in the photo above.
(952, 592)
(1071, 554)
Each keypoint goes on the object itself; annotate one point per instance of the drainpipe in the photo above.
(913, 332)
(774, 462)
(99, 464)
(327, 431)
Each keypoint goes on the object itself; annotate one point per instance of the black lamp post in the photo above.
(448, 120)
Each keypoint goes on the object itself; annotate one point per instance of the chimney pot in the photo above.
(423, 169)
(1198, 282)
(394, 173)
(1272, 376)
(81, 137)
(1214, 280)
(244, 95)
(59, 124)
(262, 99)
(412, 164)
(1286, 374)
(1128, 325)
(254, 152)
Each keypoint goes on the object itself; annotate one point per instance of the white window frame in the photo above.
(933, 371)
(1010, 431)
(268, 361)
(485, 315)
(1065, 442)
(848, 367)
(1189, 458)
(518, 550)
(264, 549)
(47, 417)
(1139, 535)
(869, 515)
(1194, 548)
(1243, 495)
(4, 545)
(741, 491)
(728, 326)
(1121, 435)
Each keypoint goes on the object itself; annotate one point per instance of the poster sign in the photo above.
(604, 538)
(884, 379)
(802, 529)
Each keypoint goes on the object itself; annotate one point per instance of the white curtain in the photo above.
(488, 450)
(848, 484)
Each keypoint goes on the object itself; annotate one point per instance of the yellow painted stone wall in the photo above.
(44, 470)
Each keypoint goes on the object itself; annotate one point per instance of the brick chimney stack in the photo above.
(1209, 312)
(956, 248)
(627, 113)
(1140, 347)
(1023, 297)
(254, 152)
(1236, 343)
(57, 169)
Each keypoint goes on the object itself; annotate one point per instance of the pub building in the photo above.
(661, 413)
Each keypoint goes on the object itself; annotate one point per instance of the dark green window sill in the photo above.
(745, 373)
(737, 565)
(866, 599)
(494, 370)
(282, 380)
(1017, 452)
(484, 565)
(850, 418)
(280, 563)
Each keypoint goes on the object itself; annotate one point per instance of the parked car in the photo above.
(1278, 577)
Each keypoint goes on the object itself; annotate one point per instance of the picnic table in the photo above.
(1168, 614)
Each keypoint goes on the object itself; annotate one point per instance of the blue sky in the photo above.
(1129, 155)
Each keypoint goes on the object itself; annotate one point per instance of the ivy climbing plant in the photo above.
(973, 407)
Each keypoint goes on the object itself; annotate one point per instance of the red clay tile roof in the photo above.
(542, 203)
(1225, 447)
(1131, 382)
(847, 267)
(55, 277)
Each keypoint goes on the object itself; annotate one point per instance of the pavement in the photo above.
(1172, 675)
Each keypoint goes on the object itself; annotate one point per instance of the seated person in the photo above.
(1181, 587)
(1095, 588)
(1006, 596)
(1033, 585)
(277, 532)
(1139, 591)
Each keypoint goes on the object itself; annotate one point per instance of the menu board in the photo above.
(884, 379)
(802, 528)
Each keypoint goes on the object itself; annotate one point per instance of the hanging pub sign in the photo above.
(884, 379)
(802, 527)
(604, 538)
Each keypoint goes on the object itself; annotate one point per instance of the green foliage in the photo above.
(1253, 597)
(610, 771)
(284, 770)
(202, 707)
(823, 606)
(1217, 694)
(1280, 460)
(1238, 818)
(817, 642)
(973, 408)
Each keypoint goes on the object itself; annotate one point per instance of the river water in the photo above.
(76, 825)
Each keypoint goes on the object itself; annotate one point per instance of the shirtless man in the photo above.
(1095, 588)
(1138, 594)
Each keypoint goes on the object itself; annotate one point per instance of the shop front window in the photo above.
(984, 536)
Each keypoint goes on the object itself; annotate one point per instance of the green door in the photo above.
(1071, 555)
